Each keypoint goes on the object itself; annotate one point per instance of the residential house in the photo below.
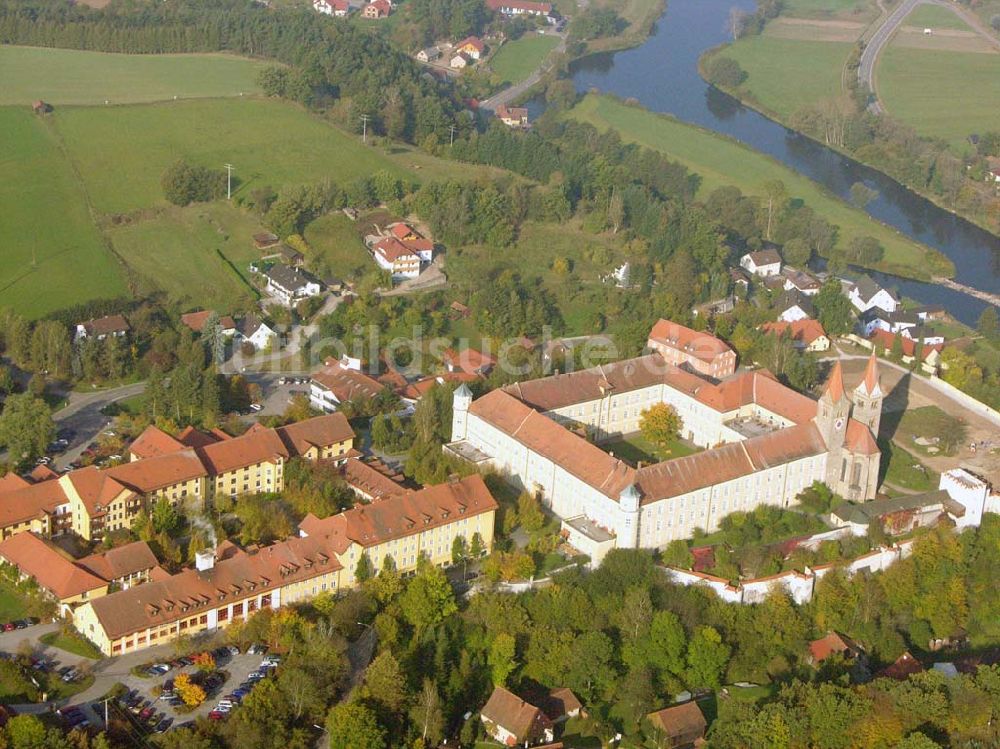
(336, 8)
(899, 321)
(39, 508)
(228, 584)
(561, 704)
(762, 263)
(740, 279)
(377, 9)
(796, 280)
(684, 347)
(413, 240)
(832, 644)
(520, 8)
(114, 326)
(392, 255)
(255, 332)
(469, 361)
(288, 285)
(472, 47)
(429, 55)
(866, 294)
(514, 722)
(458, 62)
(793, 306)
(806, 335)
(902, 668)
(930, 354)
(55, 571)
(196, 322)
(512, 116)
(338, 382)
(678, 726)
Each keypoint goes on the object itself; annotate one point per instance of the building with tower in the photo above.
(764, 443)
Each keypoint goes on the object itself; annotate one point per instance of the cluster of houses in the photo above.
(466, 53)
(401, 250)
(249, 330)
(343, 8)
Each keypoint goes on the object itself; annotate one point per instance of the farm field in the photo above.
(720, 162)
(934, 17)
(50, 242)
(122, 152)
(66, 76)
(784, 75)
(516, 60)
(828, 8)
(942, 94)
(177, 252)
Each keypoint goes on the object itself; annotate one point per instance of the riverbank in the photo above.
(720, 161)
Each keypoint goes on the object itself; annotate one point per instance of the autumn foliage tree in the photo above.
(660, 424)
(190, 693)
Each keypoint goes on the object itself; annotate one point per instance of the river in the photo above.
(662, 74)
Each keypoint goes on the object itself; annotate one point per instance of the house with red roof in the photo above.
(698, 351)
(472, 47)
(377, 9)
(806, 335)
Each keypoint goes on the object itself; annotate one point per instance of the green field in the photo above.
(637, 449)
(53, 255)
(825, 8)
(123, 151)
(941, 94)
(935, 17)
(66, 76)
(336, 238)
(784, 75)
(903, 470)
(186, 262)
(516, 60)
(721, 161)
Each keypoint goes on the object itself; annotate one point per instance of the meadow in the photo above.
(784, 75)
(53, 254)
(941, 94)
(827, 8)
(935, 17)
(516, 60)
(121, 152)
(66, 76)
(336, 238)
(720, 161)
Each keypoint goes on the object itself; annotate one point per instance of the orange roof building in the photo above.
(512, 721)
(678, 725)
(806, 334)
(53, 569)
(700, 352)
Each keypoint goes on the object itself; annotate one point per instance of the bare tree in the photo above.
(737, 22)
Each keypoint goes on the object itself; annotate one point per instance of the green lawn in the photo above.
(903, 470)
(935, 17)
(11, 603)
(825, 8)
(71, 643)
(635, 448)
(516, 60)
(930, 422)
(53, 256)
(941, 94)
(66, 76)
(177, 252)
(123, 151)
(336, 238)
(721, 161)
(784, 75)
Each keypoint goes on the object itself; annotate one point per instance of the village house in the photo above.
(560, 704)
(472, 47)
(256, 333)
(762, 263)
(468, 361)
(513, 722)
(413, 240)
(459, 62)
(793, 306)
(429, 55)
(806, 335)
(340, 382)
(796, 280)
(392, 255)
(520, 8)
(866, 295)
(832, 644)
(898, 321)
(195, 321)
(336, 8)
(512, 116)
(701, 352)
(930, 354)
(114, 326)
(288, 285)
(678, 726)
(377, 9)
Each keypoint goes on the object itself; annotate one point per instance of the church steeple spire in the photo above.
(834, 390)
(870, 383)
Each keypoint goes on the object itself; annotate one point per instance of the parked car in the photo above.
(163, 725)
(70, 675)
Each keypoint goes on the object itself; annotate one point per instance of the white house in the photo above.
(337, 8)
(289, 285)
(340, 381)
(891, 322)
(392, 255)
(520, 8)
(256, 333)
(458, 62)
(866, 294)
(796, 280)
(763, 263)
(972, 492)
(113, 326)
(429, 55)
(793, 306)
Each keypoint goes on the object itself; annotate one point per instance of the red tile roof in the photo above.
(30, 502)
(871, 374)
(884, 339)
(10, 481)
(522, 719)
(120, 561)
(473, 41)
(196, 320)
(153, 442)
(701, 345)
(50, 567)
(192, 437)
(159, 472)
(255, 446)
(904, 667)
(392, 250)
(42, 473)
(682, 723)
(106, 325)
(830, 644)
(345, 383)
(803, 331)
(859, 439)
(835, 385)
(321, 431)
(369, 481)
(468, 360)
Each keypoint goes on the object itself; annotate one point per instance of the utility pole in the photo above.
(452, 129)
(364, 128)
(229, 181)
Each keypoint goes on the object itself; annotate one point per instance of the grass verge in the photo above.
(71, 643)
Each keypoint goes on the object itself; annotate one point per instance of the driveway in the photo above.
(83, 416)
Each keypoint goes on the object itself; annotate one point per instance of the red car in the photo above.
(9, 627)
(217, 715)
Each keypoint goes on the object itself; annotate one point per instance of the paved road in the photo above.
(83, 415)
(510, 94)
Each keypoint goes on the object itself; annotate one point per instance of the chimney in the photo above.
(204, 560)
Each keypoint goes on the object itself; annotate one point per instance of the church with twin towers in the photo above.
(762, 442)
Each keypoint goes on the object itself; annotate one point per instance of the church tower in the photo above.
(461, 400)
(868, 396)
(832, 412)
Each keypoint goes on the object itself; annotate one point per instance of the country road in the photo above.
(513, 92)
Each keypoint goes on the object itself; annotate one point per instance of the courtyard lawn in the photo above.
(720, 161)
(940, 93)
(71, 643)
(935, 17)
(335, 238)
(53, 255)
(635, 449)
(516, 60)
(902, 470)
(11, 603)
(930, 422)
(784, 75)
(197, 255)
(67, 76)
(122, 152)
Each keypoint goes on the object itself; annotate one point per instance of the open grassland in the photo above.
(67, 76)
(721, 161)
(53, 256)
(949, 40)
(814, 30)
(829, 8)
(935, 17)
(121, 152)
(946, 95)
(336, 238)
(197, 255)
(516, 60)
(784, 75)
